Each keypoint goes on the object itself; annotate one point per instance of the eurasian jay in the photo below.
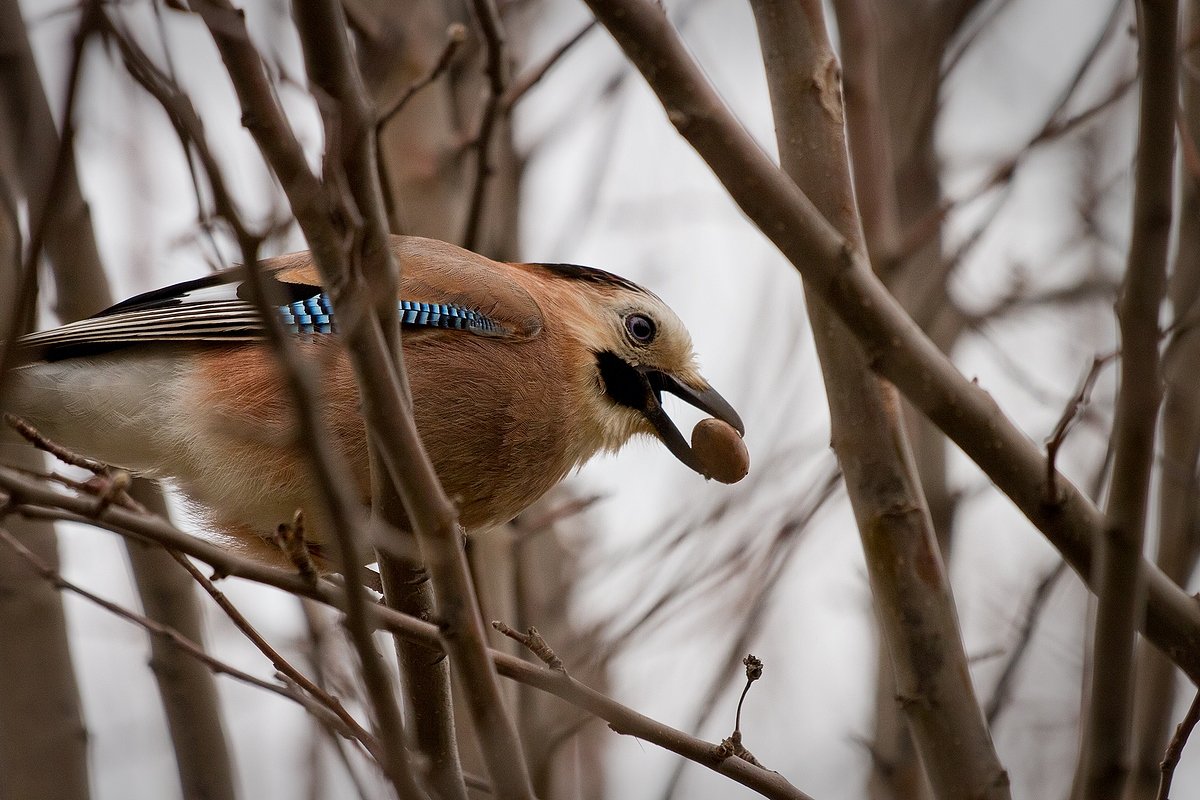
(519, 374)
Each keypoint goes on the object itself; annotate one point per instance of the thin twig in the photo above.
(456, 34)
(1175, 749)
(185, 644)
(1037, 603)
(370, 742)
(63, 454)
(754, 671)
(496, 69)
(536, 644)
(523, 83)
(1065, 422)
(545, 522)
(28, 497)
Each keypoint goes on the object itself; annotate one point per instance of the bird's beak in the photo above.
(706, 399)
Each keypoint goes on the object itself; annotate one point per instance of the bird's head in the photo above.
(636, 348)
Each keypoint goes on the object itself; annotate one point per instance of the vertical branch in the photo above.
(1178, 523)
(426, 675)
(497, 74)
(394, 50)
(883, 200)
(322, 28)
(912, 594)
(329, 472)
(867, 128)
(1120, 589)
(186, 686)
(406, 586)
(41, 720)
(386, 405)
(393, 494)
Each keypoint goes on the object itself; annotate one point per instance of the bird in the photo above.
(519, 373)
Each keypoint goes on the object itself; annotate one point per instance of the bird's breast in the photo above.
(495, 416)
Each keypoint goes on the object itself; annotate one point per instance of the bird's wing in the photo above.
(443, 288)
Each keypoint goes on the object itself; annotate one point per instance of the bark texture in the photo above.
(1178, 517)
(908, 579)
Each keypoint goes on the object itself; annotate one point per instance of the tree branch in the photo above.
(177, 639)
(28, 497)
(497, 74)
(323, 215)
(912, 595)
(344, 509)
(1118, 578)
(894, 345)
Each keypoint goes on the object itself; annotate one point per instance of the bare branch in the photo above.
(348, 722)
(1119, 582)
(456, 34)
(894, 346)
(497, 73)
(1069, 416)
(913, 600)
(523, 83)
(1175, 748)
(1037, 603)
(185, 644)
(28, 497)
(867, 128)
(534, 642)
(425, 673)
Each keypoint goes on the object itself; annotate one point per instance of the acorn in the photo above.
(720, 450)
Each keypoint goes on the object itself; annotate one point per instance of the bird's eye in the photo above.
(641, 328)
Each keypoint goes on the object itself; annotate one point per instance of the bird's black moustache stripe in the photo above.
(622, 382)
(641, 388)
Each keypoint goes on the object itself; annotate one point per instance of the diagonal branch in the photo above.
(895, 347)
(496, 68)
(176, 638)
(29, 497)
(342, 504)
(911, 590)
(323, 214)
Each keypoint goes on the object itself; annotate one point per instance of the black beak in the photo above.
(641, 388)
(707, 400)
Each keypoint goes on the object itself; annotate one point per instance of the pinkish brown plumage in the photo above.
(179, 386)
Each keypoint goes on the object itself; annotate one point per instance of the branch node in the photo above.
(115, 485)
(732, 747)
(536, 644)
